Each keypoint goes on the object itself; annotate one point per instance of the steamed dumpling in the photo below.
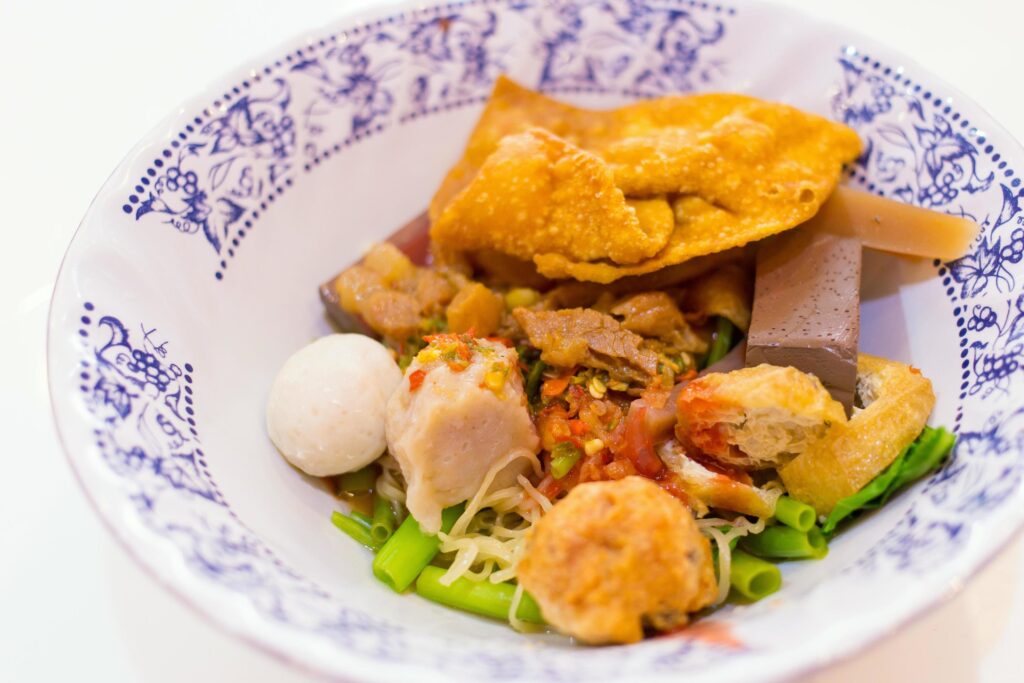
(460, 409)
(325, 412)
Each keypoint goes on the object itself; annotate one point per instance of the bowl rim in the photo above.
(912, 610)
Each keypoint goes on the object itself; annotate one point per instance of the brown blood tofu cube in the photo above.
(807, 308)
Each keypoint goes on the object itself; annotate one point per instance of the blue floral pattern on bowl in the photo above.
(230, 162)
(920, 150)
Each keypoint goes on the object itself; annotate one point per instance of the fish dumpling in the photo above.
(459, 409)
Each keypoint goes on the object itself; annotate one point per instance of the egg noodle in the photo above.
(489, 534)
(391, 484)
(723, 532)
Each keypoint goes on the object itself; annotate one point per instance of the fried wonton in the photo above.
(537, 189)
(739, 169)
(512, 109)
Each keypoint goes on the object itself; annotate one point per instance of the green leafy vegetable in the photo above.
(930, 450)
(915, 461)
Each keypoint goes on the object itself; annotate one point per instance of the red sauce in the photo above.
(670, 482)
(712, 632)
(416, 379)
(639, 444)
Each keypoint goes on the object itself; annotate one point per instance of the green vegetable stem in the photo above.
(357, 526)
(752, 577)
(564, 455)
(794, 514)
(366, 520)
(409, 550)
(479, 597)
(721, 342)
(382, 524)
(783, 542)
(533, 380)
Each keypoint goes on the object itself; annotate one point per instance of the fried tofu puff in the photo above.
(755, 418)
(897, 401)
(613, 557)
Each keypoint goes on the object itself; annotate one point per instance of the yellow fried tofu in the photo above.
(897, 401)
(755, 418)
(749, 169)
(538, 190)
(613, 557)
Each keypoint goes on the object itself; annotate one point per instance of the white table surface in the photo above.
(78, 87)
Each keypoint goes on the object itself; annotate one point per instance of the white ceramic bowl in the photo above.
(194, 273)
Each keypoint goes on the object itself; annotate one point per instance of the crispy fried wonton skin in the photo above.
(740, 168)
(538, 189)
(510, 110)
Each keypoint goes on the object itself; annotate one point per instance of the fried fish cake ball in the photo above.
(613, 557)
